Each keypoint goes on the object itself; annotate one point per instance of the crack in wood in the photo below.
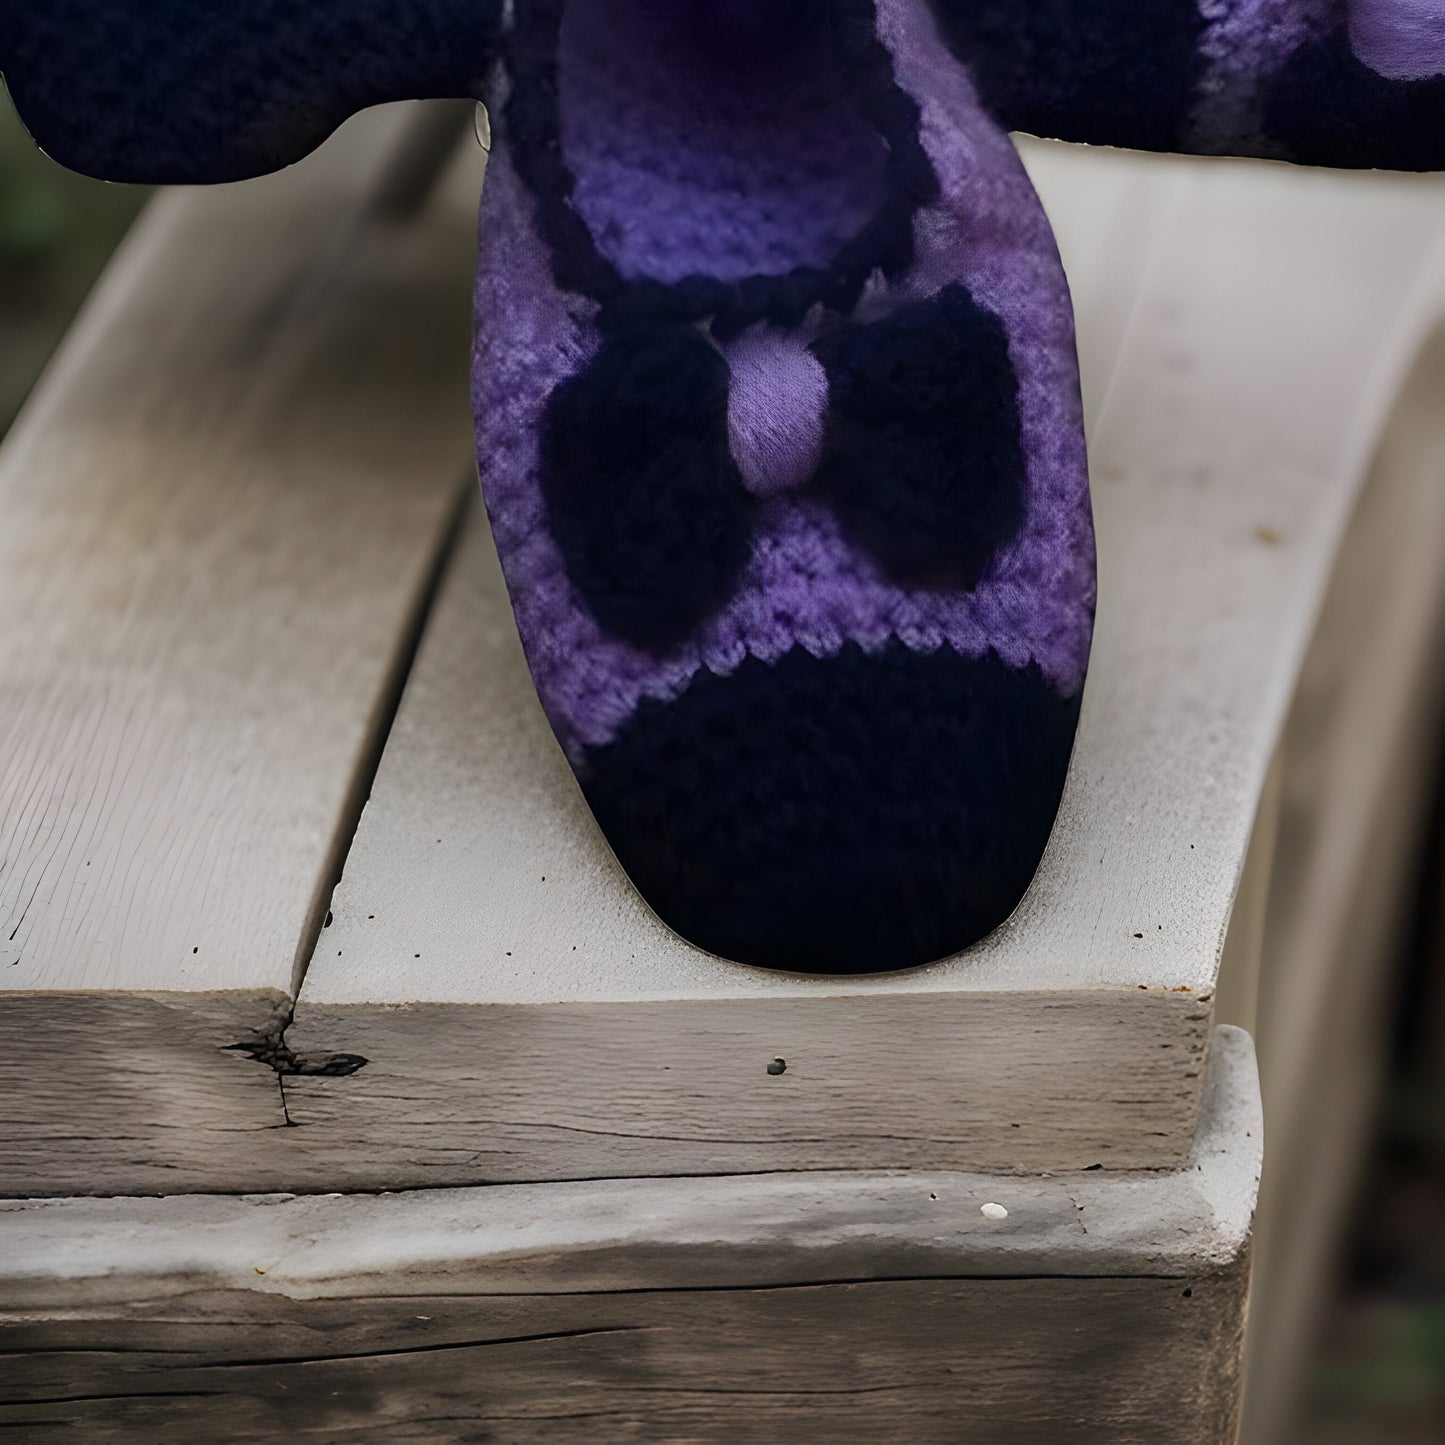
(379, 732)
(1195, 1269)
(109, 1399)
(774, 1139)
(439, 1348)
(271, 1049)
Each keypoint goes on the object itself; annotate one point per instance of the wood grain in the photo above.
(1024, 1361)
(1104, 1307)
(222, 510)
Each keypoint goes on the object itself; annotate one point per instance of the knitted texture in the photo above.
(215, 90)
(766, 678)
(925, 400)
(1323, 82)
(643, 498)
(846, 814)
(805, 582)
(1328, 107)
(1111, 72)
(1399, 39)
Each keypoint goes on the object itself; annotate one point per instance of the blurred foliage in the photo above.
(56, 232)
(1380, 1372)
(1381, 1377)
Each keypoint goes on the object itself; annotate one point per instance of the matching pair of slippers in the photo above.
(776, 394)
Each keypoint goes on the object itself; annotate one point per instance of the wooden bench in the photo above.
(305, 928)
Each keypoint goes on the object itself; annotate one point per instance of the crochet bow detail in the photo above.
(658, 458)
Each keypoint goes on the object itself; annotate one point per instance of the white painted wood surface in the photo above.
(221, 512)
(1101, 1307)
(524, 1016)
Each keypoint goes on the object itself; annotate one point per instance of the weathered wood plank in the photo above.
(836, 1307)
(524, 1016)
(630, 1234)
(1026, 1361)
(222, 509)
(452, 1094)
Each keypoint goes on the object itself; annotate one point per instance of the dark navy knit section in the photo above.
(924, 459)
(1329, 109)
(195, 91)
(643, 496)
(860, 813)
(1110, 72)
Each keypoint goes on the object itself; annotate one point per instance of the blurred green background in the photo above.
(1380, 1376)
(56, 232)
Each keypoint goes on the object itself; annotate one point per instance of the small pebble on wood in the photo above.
(993, 1211)
(778, 1066)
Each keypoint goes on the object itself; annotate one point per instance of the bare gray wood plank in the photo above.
(844, 1307)
(222, 506)
(1031, 1362)
(524, 1016)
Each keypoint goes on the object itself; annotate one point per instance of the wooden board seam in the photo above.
(379, 730)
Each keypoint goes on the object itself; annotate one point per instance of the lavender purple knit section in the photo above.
(776, 404)
(1399, 39)
(990, 231)
(806, 584)
(747, 165)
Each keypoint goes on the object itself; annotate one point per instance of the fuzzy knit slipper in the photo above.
(1357, 83)
(781, 441)
(197, 91)
(777, 407)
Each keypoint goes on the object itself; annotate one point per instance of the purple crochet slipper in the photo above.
(780, 437)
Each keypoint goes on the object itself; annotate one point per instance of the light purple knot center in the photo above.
(777, 403)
